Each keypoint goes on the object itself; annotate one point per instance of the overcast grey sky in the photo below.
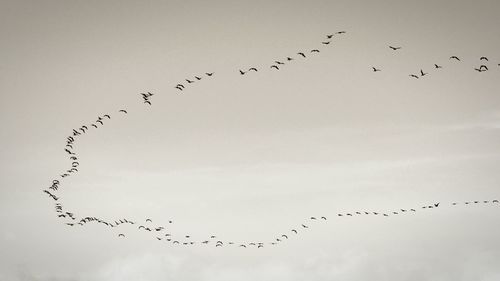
(248, 157)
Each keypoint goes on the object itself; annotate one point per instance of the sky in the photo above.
(250, 157)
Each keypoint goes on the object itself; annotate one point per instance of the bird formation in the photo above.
(421, 72)
(181, 86)
(163, 233)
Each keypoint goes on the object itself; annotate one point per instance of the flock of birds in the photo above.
(163, 233)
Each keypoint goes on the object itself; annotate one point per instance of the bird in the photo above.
(275, 66)
(436, 204)
(339, 215)
(422, 73)
(279, 62)
(478, 69)
(289, 59)
(180, 86)
(148, 102)
(414, 76)
(242, 72)
(329, 36)
(437, 66)
(495, 201)
(315, 51)
(394, 48)
(122, 110)
(294, 231)
(313, 218)
(121, 234)
(323, 218)
(454, 57)
(305, 226)
(253, 68)
(243, 245)
(100, 122)
(209, 73)
(301, 54)
(326, 42)
(94, 125)
(375, 69)
(197, 78)
(189, 81)
(340, 32)
(106, 115)
(149, 220)
(483, 66)
(484, 58)
(285, 236)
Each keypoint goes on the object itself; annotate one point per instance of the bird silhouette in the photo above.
(275, 66)
(329, 36)
(375, 69)
(315, 51)
(121, 235)
(394, 48)
(209, 73)
(123, 110)
(253, 68)
(242, 72)
(340, 32)
(414, 76)
(323, 218)
(279, 62)
(455, 57)
(301, 54)
(149, 220)
(483, 58)
(148, 102)
(437, 66)
(326, 42)
(189, 81)
(197, 78)
(294, 231)
(422, 73)
(289, 59)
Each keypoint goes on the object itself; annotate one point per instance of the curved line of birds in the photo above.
(162, 233)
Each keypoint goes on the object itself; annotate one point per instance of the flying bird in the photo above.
(149, 220)
(197, 78)
(437, 66)
(315, 51)
(275, 66)
(294, 231)
(484, 58)
(253, 68)
(422, 73)
(326, 42)
(106, 115)
(123, 110)
(454, 57)
(189, 81)
(414, 76)
(301, 54)
(121, 234)
(209, 73)
(279, 62)
(394, 48)
(375, 69)
(242, 72)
